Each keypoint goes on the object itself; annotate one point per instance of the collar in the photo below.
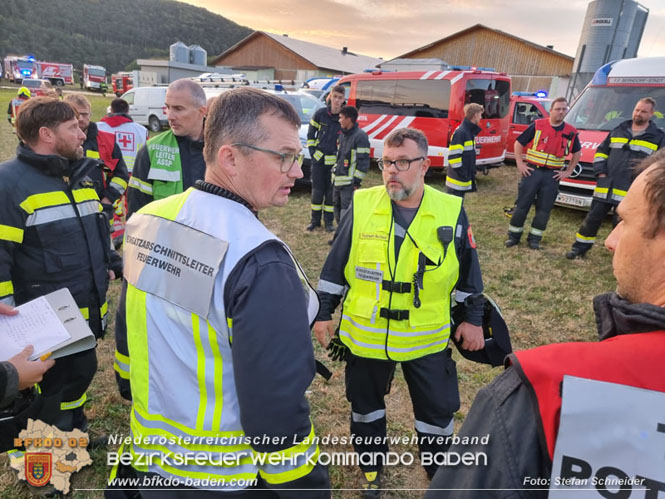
(475, 129)
(615, 316)
(50, 164)
(217, 190)
(114, 120)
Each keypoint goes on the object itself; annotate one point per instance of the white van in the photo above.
(147, 106)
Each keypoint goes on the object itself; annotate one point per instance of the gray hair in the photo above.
(234, 115)
(194, 89)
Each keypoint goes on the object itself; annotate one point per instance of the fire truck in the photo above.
(19, 68)
(607, 101)
(94, 78)
(432, 101)
(121, 82)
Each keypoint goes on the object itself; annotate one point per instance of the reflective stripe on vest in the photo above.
(189, 356)
(165, 167)
(549, 147)
(371, 261)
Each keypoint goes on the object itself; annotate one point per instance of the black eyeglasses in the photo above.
(288, 158)
(401, 164)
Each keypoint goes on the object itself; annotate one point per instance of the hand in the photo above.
(106, 200)
(562, 174)
(524, 169)
(29, 371)
(7, 309)
(111, 275)
(324, 331)
(472, 336)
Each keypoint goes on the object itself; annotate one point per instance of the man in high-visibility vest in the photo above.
(399, 252)
(613, 165)
(14, 104)
(172, 161)
(550, 141)
(583, 415)
(213, 329)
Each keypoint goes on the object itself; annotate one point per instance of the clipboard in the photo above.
(67, 312)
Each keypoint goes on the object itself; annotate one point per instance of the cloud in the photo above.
(390, 28)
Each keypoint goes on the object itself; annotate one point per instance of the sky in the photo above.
(389, 28)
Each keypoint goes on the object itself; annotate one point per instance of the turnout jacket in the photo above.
(374, 256)
(111, 180)
(461, 172)
(616, 157)
(168, 164)
(520, 435)
(322, 135)
(352, 157)
(241, 371)
(53, 233)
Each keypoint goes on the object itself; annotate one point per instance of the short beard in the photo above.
(68, 153)
(401, 194)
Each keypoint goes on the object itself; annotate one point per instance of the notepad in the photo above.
(51, 323)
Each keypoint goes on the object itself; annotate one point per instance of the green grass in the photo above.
(545, 298)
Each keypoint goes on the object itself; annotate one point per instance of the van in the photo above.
(432, 101)
(147, 106)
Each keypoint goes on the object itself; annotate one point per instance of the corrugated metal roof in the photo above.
(327, 57)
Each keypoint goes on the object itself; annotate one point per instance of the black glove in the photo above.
(336, 349)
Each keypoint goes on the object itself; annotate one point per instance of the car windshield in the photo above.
(96, 72)
(32, 83)
(547, 104)
(305, 105)
(603, 108)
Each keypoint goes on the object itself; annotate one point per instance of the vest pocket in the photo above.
(361, 306)
(372, 251)
(429, 314)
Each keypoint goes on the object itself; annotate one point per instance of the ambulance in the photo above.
(432, 101)
(607, 101)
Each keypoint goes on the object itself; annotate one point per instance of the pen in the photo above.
(45, 356)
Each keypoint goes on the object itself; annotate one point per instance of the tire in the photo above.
(154, 124)
(59, 83)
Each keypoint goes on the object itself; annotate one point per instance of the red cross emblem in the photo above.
(125, 140)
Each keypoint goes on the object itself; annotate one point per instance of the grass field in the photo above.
(545, 298)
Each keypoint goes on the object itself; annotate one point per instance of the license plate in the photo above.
(574, 201)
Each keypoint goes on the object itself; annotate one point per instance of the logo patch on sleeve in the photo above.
(472, 240)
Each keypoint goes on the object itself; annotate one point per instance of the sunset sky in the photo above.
(390, 28)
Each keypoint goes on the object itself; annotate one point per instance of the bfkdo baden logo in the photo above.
(38, 468)
(46, 455)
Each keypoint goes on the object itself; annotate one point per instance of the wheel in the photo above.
(154, 124)
(59, 83)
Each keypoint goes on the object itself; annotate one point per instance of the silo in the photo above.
(612, 30)
(198, 55)
(179, 52)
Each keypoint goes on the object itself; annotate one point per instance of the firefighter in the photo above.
(111, 179)
(551, 139)
(217, 275)
(322, 135)
(613, 166)
(352, 160)
(399, 252)
(172, 161)
(23, 95)
(524, 412)
(129, 137)
(461, 173)
(53, 235)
